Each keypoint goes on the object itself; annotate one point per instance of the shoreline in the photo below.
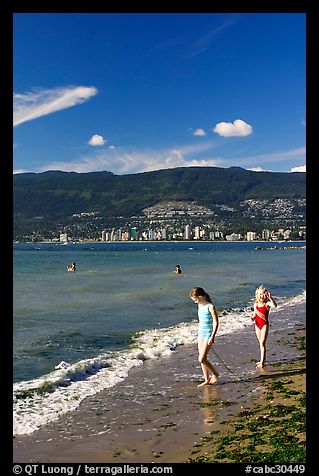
(157, 414)
(159, 241)
(269, 428)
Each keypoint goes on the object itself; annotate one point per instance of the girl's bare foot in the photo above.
(259, 365)
(203, 383)
(213, 379)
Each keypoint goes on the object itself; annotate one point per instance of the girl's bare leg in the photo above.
(262, 336)
(207, 367)
(202, 344)
(206, 375)
(215, 375)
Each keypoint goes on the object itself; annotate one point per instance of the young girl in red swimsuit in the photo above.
(263, 303)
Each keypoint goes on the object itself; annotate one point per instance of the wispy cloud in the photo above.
(269, 158)
(191, 50)
(122, 161)
(167, 44)
(205, 42)
(299, 153)
(125, 161)
(41, 102)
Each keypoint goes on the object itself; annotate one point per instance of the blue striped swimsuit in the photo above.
(205, 325)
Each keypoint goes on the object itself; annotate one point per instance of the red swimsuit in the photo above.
(261, 316)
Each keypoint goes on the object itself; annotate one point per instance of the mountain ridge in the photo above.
(85, 203)
(55, 194)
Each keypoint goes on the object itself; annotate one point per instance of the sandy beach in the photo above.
(158, 414)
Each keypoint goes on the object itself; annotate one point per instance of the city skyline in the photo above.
(130, 93)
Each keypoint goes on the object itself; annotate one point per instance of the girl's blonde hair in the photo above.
(260, 288)
(196, 292)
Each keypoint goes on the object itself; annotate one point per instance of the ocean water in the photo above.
(78, 333)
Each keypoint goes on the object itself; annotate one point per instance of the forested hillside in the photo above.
(55, 195)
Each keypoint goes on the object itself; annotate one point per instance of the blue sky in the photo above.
(137, 92)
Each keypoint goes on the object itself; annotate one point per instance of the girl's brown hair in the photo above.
(195, 292)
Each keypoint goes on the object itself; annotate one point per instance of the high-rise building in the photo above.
(63, 237)
(112, 235)
(265, 234)
(151, 234)
(188, 232)
(197, 233)
(251, 235)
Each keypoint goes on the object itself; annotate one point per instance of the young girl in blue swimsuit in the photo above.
(207, 328)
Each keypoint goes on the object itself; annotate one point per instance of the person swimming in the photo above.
(72, 267)
(178, 269)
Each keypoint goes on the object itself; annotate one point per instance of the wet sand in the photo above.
(157, 414)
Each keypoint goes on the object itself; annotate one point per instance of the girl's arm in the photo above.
(252, 317)
(271, 302)
(212, 310)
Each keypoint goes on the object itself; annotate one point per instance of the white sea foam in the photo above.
(43, 400)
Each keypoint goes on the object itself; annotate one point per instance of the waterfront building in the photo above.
(251, 236)
(196, 233)
(233, 237)
(125, 236)
(151, 234)
(134, 233)
(265, 234)
(219, 235)
(188, 232)
(286, 234)
(164, 233)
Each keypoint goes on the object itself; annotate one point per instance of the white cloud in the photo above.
(41, 102)
(233, 129)
(97, 140)
(293, 154)
(128, 162)
(301, 168)
(199, 132)
(258, 169)
(20, 171)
